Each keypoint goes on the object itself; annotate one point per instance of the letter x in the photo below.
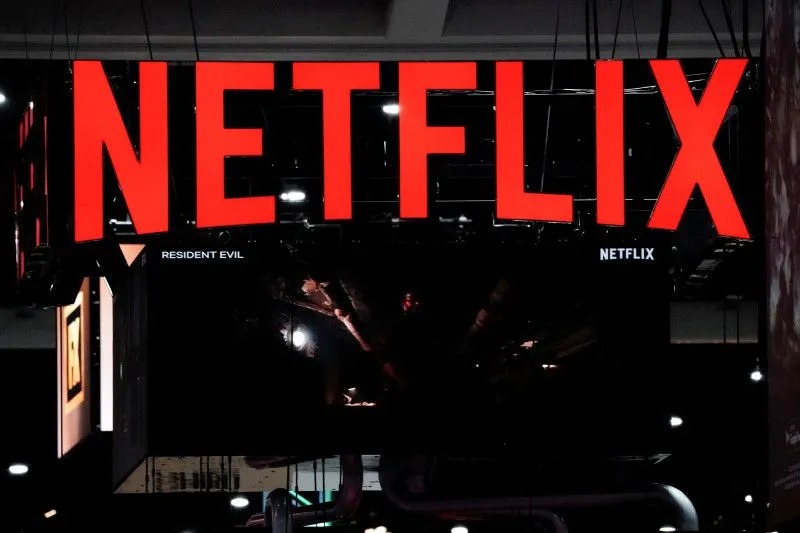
(696, 162)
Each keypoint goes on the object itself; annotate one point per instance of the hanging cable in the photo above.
(80, 26)
(289, 502)
(711, 27)
(586, 23)
(550, 104)
(596, 30)
(663, 33)
(729, 22)
(194, 30)
(616, 30)
(27, 45)
(316, 493)
(146, 29)
(635, 32)
(66, 35)
(56, 3)
(324, 492)
(746, 28)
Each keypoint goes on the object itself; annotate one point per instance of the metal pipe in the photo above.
(685, 515)
(280, 507)
(342, 508)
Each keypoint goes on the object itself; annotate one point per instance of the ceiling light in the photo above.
(18, 469)
(3, 98)
(239, 502)
(459, 529)
(299, 338)
(756, 376)
(380, 529)
(749, 498)
(666, 529)
(391, 109)
(50, 514)
(293, 197)
(675, 421)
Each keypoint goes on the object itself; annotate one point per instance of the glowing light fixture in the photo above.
(391, 109)
(3, 98)
(239, 502)
(667, 529)
(299, 338)
(749, 498)
(459, 529)
(756, 376)
(293, 197)
(18, 469)
(675, 421)
(50, 514)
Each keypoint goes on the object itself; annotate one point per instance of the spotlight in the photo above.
(459, 529)
(391, 109)
(756, 376)
(667, 529)
(3, 98)
(239, 502)
(749, 498)
(30, 104)
(293, 197)
(50, 514)
(18, 469)
(299, 338)
(675, 421)
(380, 529)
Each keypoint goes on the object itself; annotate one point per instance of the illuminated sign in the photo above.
(73, 370)
(74, 359)
(143, 173)
(626, 254)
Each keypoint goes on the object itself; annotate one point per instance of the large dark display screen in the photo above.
(406, 332)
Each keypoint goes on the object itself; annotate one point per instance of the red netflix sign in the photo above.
(144, 178)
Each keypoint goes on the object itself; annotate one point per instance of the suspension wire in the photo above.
(80, 26)
(53, 32)
(616, 30)
(596, 30)
(550, 104)
(711, 27)
(66, 35)
(635, 32)
(586, 24)
(663, 32)
(194, 31)
(729, 22)
(316, 492)
(146, 29)
(746, 28)
(289, 498)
